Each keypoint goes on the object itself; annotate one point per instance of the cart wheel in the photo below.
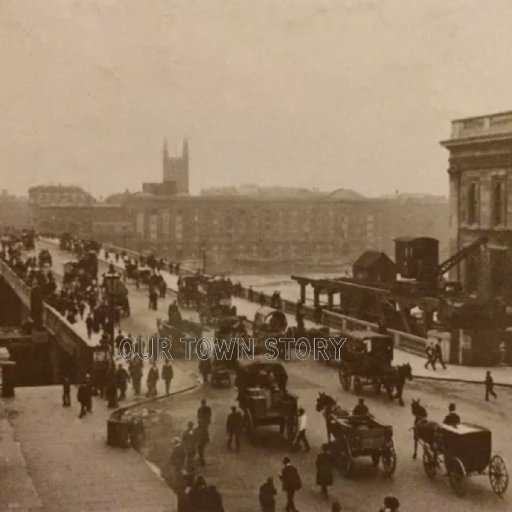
(292, 425)
(345, 378)
(457, 476)
(344, 457)
(358, 385)
(377, 385)
(429, 462)
(249, 425)
(498, 475)
(388, 458)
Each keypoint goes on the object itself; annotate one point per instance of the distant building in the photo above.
(59, 194)
(267, 234)
(480, 173)
(14, 211)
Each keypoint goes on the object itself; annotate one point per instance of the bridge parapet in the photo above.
(22, 289)
(67, 337)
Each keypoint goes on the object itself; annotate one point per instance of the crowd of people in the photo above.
(84, 301)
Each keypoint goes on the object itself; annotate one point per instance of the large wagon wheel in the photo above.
(249, 425)
(388, 458)
(498, 475)
(358, 385)
(429, 462)
(457, 475)
(344, 376)
(344, 456)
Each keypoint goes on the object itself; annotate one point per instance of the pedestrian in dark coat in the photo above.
(167, 375)
(438, 353)
(152, 380)
(84, 397)
(234, 427)
(431, 357)
(291, 483)
(111, 390)
(81, 309)
(66, 392)
(214, 500)
(202, 438)
(177, 458)
(489, 386)
(204, 414)
(136, 374)
(324, 473)
(189, 441)
(199, 496)
(122, 378)
(268, 496)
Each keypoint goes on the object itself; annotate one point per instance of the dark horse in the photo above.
(395, 381)
(330, 409)
(423, 428)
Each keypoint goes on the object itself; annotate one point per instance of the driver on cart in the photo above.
(361, 409)
(452, 418)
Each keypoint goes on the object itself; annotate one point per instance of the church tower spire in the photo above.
(185, 149)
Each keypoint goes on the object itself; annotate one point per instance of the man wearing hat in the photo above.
(291, 483)
(177, 457)
(361, 409)
(84, 397)
(391, 504)
(452, 418)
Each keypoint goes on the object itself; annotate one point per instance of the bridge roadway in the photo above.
(238, 477)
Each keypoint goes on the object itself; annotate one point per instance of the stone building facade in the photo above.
(275, 235)
(480, 174)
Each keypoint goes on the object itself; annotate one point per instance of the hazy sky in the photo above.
(313, 93)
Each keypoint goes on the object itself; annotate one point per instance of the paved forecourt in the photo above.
(57, 462)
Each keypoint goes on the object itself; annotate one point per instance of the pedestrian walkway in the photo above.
(53, 461)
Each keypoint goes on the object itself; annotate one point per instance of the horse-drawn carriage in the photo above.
(66, 242)
(45, 258)
(216, 301)
(189, 294)
(463, 450)
(144, 275)
(263, 397)
(221, 376)
(269, 323)
(366, 359)
(351, 436)
(175, 327)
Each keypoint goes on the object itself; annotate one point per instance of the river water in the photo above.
(289, 288)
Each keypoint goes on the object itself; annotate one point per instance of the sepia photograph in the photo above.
(255, 255)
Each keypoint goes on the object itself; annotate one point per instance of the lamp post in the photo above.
(203, 253)
(111, 284)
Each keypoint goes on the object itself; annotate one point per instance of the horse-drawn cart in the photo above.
(366, 359)
(264, 399)
(351, 436)
(463, 450)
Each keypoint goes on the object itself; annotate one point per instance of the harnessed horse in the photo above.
(423, 428)
(330, 409)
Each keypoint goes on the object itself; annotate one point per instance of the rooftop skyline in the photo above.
(325, 94)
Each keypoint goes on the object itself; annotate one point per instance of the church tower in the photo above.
(176, 168)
